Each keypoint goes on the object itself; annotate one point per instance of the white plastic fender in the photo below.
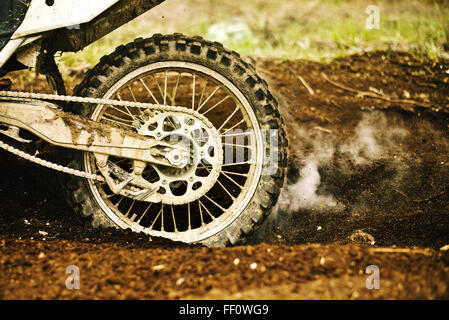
(45, 15)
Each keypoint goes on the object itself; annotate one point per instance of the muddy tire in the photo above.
(175, 52)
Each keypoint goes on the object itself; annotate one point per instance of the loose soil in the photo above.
(397, 222)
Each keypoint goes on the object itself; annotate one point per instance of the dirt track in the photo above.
(389, 190)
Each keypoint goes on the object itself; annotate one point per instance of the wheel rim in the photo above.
(211, 94)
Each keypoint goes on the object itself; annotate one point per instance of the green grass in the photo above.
(291, 29)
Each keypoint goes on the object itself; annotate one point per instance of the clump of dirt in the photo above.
(368, 168)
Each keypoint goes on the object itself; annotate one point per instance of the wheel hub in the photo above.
(205, 156)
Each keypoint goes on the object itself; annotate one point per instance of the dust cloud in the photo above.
(375, 138)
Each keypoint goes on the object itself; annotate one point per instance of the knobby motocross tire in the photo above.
(177, 47)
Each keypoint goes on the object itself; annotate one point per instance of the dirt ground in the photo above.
(381, 198)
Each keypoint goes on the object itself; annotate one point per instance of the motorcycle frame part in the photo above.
(46, 65)
(42, 15)
(71, 131)
(108, 169)
(9, 49)
(35, 54)
(20, 54)
(72, 40)
(89, 24)
(13, 132)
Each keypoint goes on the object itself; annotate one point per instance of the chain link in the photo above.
(57, 97)
(118, 103)
(49, 164)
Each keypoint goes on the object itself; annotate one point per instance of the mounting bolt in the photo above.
(101, 163)
(164, 181)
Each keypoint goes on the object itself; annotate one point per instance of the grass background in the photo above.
(291, 29)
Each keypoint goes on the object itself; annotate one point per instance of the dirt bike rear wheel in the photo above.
(204, 76)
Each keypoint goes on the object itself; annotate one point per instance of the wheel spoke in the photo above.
(188, 217)
(144, 213)
(236, 163)
(116, 118)
(202, 95)
(236, 145)
(130, 208)
(109, 196)
(201, 213)
(158, 86)
(235, 134)
(210, 214)
(173, 217)
(229, 118)
(157, 217)
(218, 103)
(118, 122)
(236, 173)
(208, 98)
(135, 100)
(193, 95)
(149, 91)
(226, 190)
(165, 88)
(127, 109)
(238, 123)
(121, 111)
(121, 161)
(162, 218)
(175, 90)
(208, 198)
(232, 180)
(132, 94)
(118, 202)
